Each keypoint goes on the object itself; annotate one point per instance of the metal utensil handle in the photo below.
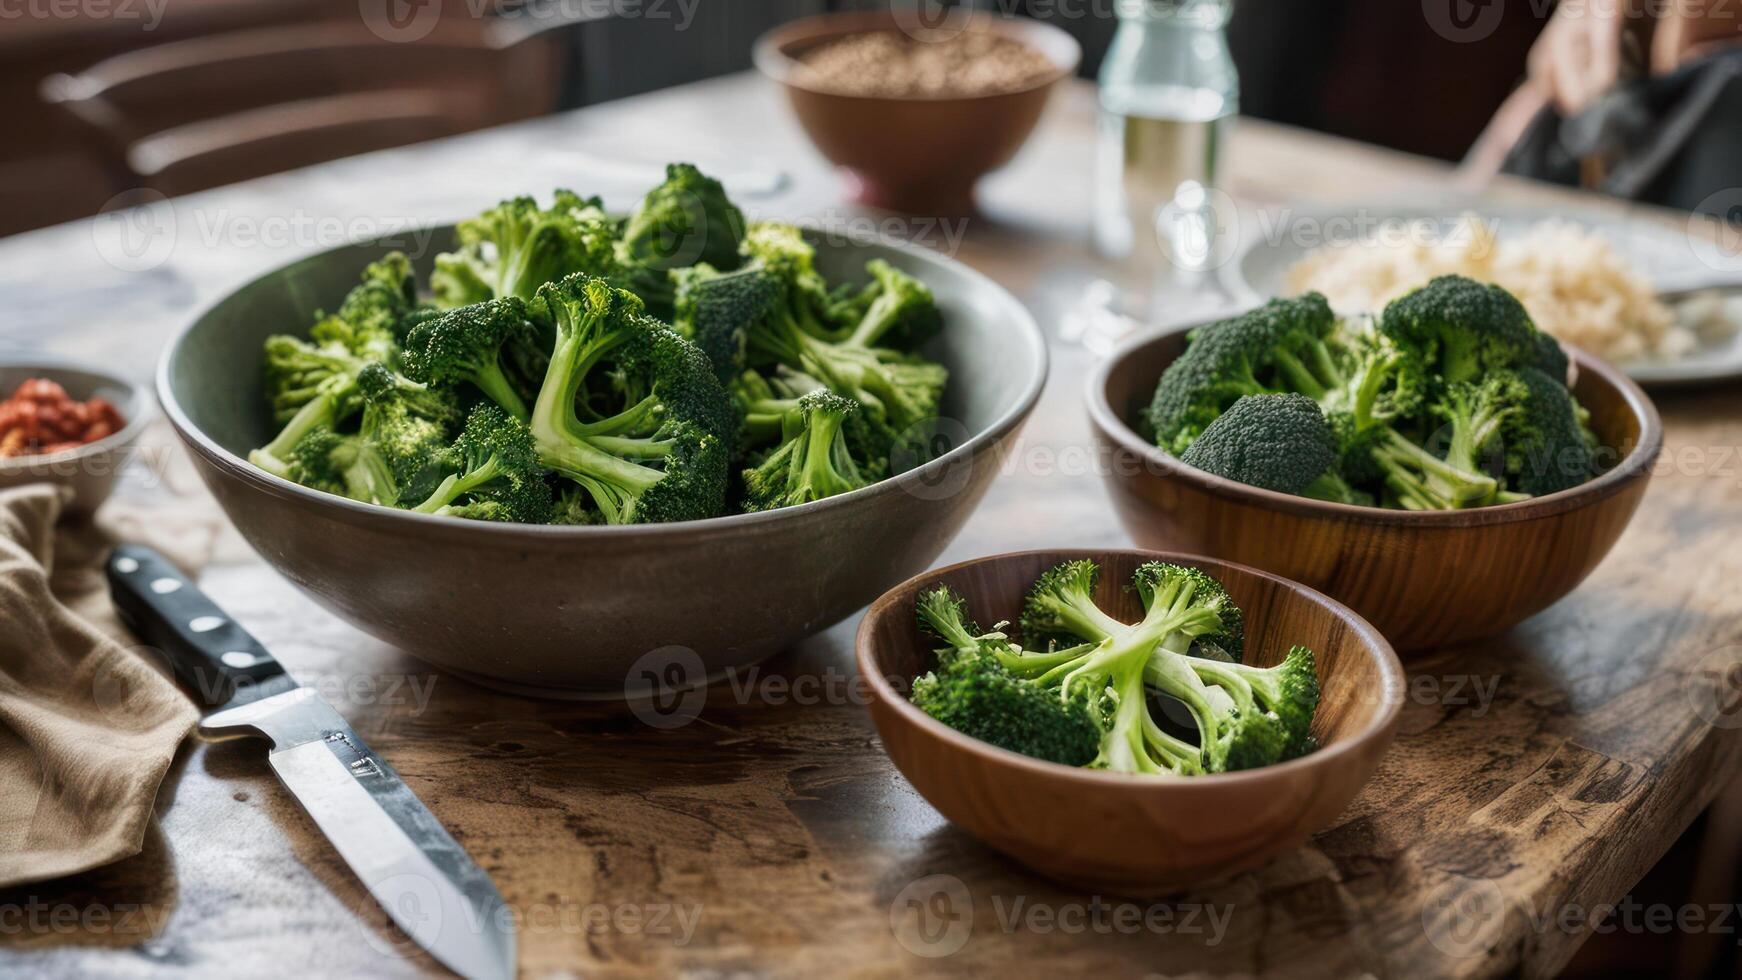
(211, 656)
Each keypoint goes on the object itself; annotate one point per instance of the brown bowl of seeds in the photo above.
(915, 112)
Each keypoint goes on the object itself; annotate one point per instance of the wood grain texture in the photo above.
(1425, 579)
(1133, 835)
(1554, 763)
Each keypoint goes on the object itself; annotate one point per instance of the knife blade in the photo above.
(425, 881)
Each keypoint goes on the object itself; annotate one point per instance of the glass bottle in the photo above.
(1169, 92)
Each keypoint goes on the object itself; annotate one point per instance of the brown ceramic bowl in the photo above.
(90, 470)
(919, 155)
(1137, 835)
(1424, 579)
(599, 611)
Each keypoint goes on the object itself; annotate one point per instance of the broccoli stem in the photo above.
(496, 386)
(637, 417)
(1440, 483)
(1302, 377)
(456, 484)
(820, 475)
(272, 457)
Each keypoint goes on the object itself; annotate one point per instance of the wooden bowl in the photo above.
(1424, 579)
(1136, 835)
(920, 156)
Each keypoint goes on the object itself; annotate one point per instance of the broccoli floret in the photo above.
(334, 400)
(324, 460)
(714, 310)
(295, 370)
(782, 250)
(1228, 360)
(1474, 413)
(1117, 660)
(369, 321)
(972, 692)
(516, 247)
(1386, 385)
(1547, 445)
(1276, 442)
(630, 410)
(902, 312)
(471, 344)
(404, 429)
(1551, 357)
(769, 414)
(494, 472)
(685, 221)
(1461, 328)
(1289, 692)
(813, 463)
(897, 391)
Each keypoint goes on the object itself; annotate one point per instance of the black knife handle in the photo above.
(210, 655)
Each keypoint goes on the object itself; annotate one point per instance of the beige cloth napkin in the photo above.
(87, 726)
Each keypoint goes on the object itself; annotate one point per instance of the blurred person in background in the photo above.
(1641, 99)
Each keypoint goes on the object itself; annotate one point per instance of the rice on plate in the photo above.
(1573, 282)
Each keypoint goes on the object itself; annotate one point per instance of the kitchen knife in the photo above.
(425, 882)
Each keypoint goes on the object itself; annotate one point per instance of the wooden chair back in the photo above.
(195, 113)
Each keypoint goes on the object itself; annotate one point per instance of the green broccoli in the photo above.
(1546, 442)
(494, 473)
(516, 247)
(333, 401)
(1289, 692)
(715, 309)
(630, 410)
(470, 344)
(324, 460)
(296, 368)
(1276, 442)
(1228, 360)
(973, 693)
(1123, 661)
(370, 320)
(1551, 359)
(902, 312)
(813, 463)
(782, 251)
(685, 221)
(404, 426)
(1462, 328)
(897, 391)
(1475, 413)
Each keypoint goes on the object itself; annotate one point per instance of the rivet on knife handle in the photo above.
(211, 656)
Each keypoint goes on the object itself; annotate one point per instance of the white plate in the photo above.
(1676, 262)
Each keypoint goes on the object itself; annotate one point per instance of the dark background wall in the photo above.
(1372, 70)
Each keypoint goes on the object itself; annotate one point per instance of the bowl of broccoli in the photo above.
(1128, 721)
(557, 441)
(1443, 467)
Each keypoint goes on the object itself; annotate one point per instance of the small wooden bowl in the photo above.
(919, 155)
(1424, 579)
(1136, 835)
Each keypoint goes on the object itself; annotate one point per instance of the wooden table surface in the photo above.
(1535, 776)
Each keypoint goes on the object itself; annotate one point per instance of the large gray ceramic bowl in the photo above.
(599, 611)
